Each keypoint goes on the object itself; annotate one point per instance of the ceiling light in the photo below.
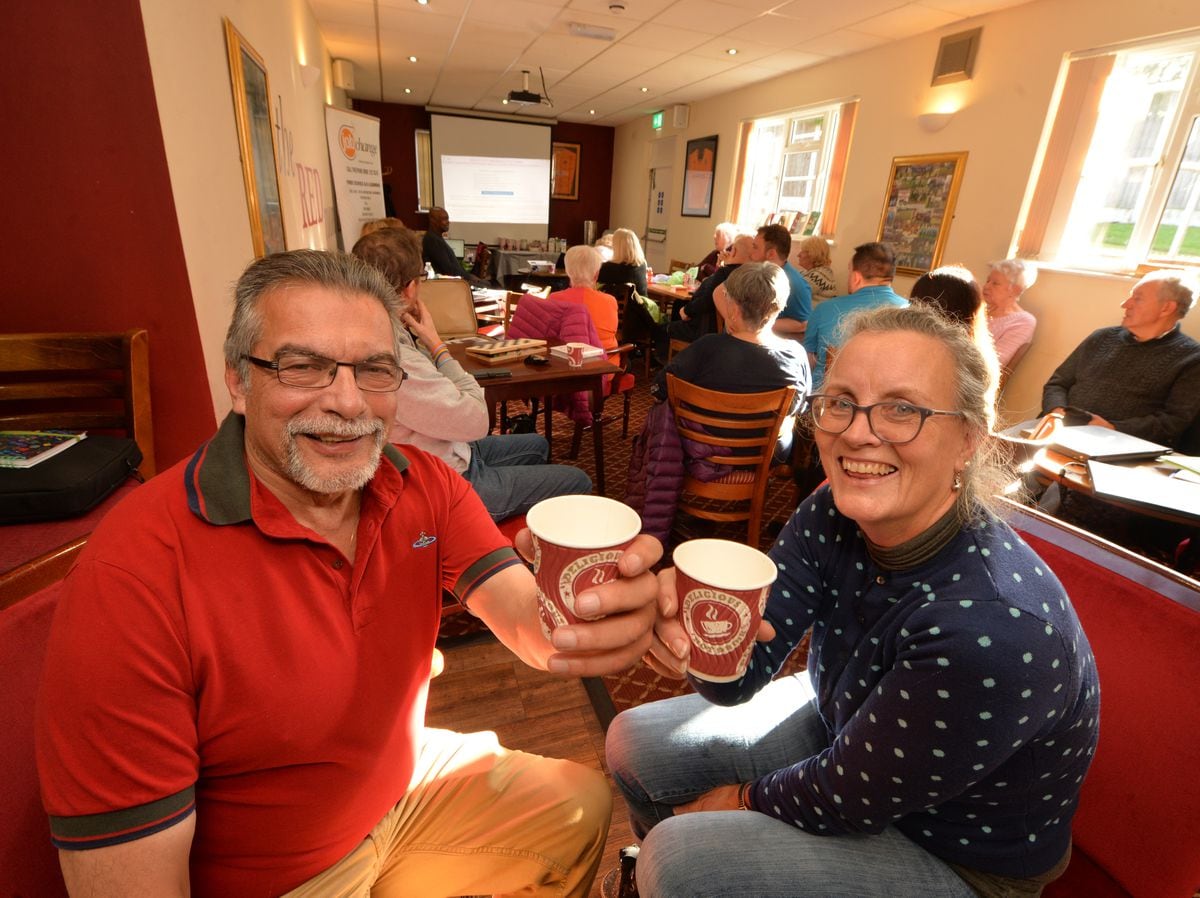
(422, 2)
(412, 59)
(408, 90)
(732, 51)
(504, 101)
(591, 112)
(645, 90)
(597, 32)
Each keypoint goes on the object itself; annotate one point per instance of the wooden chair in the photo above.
(619, 384)
(1007, 370)
(450, 303)
(96, 382)
(482, 266)
(702, 416)
(634, 324)
(678, 265)
(679, 345)
(1137, 829)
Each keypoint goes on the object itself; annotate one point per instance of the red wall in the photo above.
(397, 122)
(88, 239)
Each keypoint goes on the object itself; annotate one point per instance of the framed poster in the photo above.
(256, 138)
(564, 171)
(918, 208)
(699, 168)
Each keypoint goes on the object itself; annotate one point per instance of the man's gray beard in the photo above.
(355, 479)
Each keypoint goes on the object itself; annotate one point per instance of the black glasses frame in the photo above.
(925, 414)
(269, 365)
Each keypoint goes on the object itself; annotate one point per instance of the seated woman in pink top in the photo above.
(1010, 325)
(583, 264)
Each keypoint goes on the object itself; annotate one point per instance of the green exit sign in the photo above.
(656, 121)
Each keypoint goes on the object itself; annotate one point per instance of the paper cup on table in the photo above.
(575, 354)
(576, 543)
(722, 588)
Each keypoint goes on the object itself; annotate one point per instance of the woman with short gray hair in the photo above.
(1011, 326)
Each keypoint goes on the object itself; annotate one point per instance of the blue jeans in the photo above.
(669, 752)
(510, 474)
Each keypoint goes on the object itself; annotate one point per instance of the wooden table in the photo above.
(1073, 474)
(666, 295)
(539, 381)
(555, 280)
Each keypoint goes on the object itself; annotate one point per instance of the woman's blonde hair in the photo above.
(627, 249)
(817, 249)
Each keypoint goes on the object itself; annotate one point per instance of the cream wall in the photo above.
(1000, 123)
(186, 44)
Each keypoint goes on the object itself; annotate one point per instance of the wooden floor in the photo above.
(484, 687)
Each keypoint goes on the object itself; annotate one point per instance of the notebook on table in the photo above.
(1145, 487)
(1090, 441)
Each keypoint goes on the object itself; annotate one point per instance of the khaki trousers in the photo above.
(479, 819)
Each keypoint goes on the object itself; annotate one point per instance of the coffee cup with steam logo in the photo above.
(722, 588)
(576, 543)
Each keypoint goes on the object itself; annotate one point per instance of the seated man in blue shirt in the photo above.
(872, 268)
(773, 243)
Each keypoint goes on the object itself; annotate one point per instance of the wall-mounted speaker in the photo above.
(956, 57)
(679, 115)
(343, 74)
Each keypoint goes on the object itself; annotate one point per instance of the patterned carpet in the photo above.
(612, 694)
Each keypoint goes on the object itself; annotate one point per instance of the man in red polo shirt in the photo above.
(236, 679)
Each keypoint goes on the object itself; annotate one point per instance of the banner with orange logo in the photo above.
(355, 167)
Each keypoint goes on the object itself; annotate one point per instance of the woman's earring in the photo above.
(957, 485)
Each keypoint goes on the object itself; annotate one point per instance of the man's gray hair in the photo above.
(338, 272)
(1175, 286)
(759, 290)
(583, 264)
(1018, 272)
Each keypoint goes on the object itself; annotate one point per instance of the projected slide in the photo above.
(487, 188)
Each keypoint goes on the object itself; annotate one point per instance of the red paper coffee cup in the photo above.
(575, 354)
(576, 543)
(722, 588)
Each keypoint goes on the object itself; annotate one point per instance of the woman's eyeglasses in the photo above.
(314, 372)
(892, 422)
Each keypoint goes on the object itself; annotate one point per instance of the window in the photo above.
(1122, 163)
(791, 167)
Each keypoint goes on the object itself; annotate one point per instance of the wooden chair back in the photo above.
(482, 266)
(734, 431)
(678, 265)
(450, 303)
(94, 382)
(1007, 370)
(633, 324)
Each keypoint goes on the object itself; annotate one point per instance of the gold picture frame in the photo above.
(564, 171)
(918, 208)
(256, 140)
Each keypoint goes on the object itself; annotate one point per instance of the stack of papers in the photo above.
(1145, 487)
(1187, 467)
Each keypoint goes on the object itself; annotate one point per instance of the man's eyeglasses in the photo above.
(315, 372)
(892, 422)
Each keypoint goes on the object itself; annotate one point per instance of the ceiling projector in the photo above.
(525, 96)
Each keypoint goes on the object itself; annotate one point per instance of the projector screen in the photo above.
(493, 177)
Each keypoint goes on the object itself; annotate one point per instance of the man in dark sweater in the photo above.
(1141, 377)
(437, 251)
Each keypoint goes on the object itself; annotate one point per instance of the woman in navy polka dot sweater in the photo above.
(951, 707)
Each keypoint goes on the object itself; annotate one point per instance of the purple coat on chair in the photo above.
(656, 472)
(557, 322)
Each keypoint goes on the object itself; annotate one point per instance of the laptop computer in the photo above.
(458, 247)
(1090, 441)
(1145, 488)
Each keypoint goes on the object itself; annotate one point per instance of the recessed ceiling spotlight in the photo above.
(732, 51)
(504, 101)
(412, 59)
(645, 90)
(422, 2)
(408, 90)
(591, 112)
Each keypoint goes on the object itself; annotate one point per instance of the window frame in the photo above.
(1072, 130)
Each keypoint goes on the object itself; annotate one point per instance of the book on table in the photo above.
(26, 448)
(589, 351)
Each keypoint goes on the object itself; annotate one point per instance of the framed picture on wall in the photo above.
(256, 138)
(699, 170)
(564, 171)
(918, 208)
